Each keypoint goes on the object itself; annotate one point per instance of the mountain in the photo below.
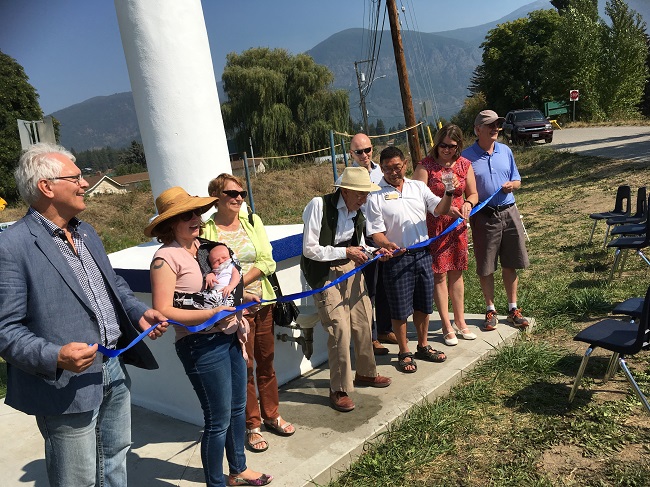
(439, 64)
(99, 122)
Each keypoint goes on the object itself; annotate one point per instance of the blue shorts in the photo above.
(408, 281)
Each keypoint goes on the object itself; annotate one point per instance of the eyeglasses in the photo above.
(442, 145)
(358, 152)
(233, 193)
(395, 169)
(187, 216)
(73, 179)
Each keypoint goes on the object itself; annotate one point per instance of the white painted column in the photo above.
(175, 93)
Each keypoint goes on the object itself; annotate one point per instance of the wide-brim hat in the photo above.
(487, 117)
(357, 179)
(175, 201)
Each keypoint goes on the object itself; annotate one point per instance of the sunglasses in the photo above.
(442, 145)
(358, 152)
(187, 216)
(233, 193)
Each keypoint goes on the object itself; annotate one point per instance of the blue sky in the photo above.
(71, 49)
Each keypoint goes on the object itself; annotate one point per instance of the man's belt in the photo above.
(416, 251)
(492, 210)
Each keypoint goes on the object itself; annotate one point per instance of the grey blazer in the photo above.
(42, 308)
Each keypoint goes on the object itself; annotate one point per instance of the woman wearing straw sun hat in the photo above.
(212, 358)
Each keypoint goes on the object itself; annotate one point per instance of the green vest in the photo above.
(316, 272)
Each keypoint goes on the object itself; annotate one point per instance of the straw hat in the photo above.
(175, 201)
(357, 179)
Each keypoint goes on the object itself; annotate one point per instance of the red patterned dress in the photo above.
(449, 252)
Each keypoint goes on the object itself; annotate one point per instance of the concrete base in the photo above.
(166, 451)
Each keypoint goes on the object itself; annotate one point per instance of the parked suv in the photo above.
(527, 126)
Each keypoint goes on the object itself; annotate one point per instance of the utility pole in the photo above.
(404, 87)
(362, 98)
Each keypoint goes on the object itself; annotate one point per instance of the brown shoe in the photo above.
(341, 401)
(387, 338)
(378, 348)
(378, 381)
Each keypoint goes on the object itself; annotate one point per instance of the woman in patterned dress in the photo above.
(450, 251)
(247, 238)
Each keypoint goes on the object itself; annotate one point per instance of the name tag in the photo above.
(391, 196)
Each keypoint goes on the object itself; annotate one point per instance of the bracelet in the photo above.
(449, 193)
(470, 203)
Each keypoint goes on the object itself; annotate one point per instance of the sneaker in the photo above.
(517, 319)
(491, 321)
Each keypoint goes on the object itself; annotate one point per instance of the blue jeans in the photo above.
(87, 449)
(217, 371)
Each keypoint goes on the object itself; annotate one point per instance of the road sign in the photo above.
(574, 95)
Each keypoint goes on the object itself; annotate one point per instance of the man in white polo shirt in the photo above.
(396, 217)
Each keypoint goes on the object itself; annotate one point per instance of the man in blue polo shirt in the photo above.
(497, 231)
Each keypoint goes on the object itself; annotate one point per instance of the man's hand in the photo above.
(509, 187)
(356, 255)
(384, 254)
(76, 357)
(150, 318)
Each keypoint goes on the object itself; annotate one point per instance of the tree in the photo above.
(18, 100)
(644, 106)
(574, 58)
(282, 102)
(513, 52)
(623, 72)
(471, 107)
(134, 154)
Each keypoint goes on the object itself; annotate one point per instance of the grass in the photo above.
(508, 422)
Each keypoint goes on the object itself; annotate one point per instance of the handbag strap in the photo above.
(273, 278)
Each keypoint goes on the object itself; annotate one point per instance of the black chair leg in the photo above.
(581, 371)
(631, 380)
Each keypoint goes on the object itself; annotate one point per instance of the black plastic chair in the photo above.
(622, 338)
(623, 194)
(631, 242)
(630, 229)
(632, 307)
(638, 217)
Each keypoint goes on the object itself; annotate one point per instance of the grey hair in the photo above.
(37, 163)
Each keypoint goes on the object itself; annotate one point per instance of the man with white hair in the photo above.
(333, 245)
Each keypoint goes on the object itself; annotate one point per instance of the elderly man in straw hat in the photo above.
(333, 244)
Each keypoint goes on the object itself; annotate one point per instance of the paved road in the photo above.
(631, 143)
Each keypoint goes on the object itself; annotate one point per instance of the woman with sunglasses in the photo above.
(449, 252)
(247, 237)
(212, 358)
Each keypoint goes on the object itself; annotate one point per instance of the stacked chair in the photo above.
(635, 236)
(635, 219)
(623, 196)
(622, 338)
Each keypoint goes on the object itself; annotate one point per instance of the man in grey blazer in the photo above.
(59, 298)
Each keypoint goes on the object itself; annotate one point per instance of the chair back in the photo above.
(623, 195)
(641, 203)
(646, 240)
(643, 336)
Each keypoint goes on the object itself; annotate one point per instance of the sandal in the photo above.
(263, 479)
(252, 444)
(402, 363)
(278, 428)
(430, 354)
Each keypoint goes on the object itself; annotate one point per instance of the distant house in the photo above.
(237, 165)
(103, 184)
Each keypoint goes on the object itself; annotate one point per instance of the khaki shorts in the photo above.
(498, 236)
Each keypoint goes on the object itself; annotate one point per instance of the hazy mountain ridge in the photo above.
(450, 58)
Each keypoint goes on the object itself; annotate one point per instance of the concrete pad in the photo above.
(166, 451)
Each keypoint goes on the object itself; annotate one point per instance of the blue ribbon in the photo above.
(289, 297)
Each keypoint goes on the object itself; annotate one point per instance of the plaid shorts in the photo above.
(408, 281)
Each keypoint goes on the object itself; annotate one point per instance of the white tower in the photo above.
(175, 93)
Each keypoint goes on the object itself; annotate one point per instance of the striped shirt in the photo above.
(88, 274)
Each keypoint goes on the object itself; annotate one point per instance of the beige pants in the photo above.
(345, 312)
